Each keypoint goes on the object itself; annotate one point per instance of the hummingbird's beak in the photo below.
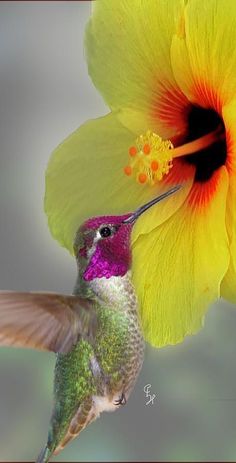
(133, 217)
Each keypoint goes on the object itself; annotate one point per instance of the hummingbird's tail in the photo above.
(58, 437)
(44, 455)
(81, 419)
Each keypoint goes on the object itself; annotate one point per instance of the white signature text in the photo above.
(150, 397)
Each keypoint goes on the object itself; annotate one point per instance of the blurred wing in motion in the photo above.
(45, 321)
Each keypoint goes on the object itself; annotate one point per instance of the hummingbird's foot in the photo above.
(121, 400)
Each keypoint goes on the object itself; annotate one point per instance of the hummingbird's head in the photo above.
(102, 244)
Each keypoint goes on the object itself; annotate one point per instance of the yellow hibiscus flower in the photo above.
(166, 68)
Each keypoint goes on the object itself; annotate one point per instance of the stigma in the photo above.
(151, 157)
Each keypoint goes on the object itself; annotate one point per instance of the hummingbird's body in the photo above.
(98, 375)
(95, 332)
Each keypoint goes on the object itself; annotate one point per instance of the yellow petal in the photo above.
(85, 178)
(180, 174)
(178, 267)
(203, 52)
(228, 286)
(128, 52)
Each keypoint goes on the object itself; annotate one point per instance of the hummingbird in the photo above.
(95, 332)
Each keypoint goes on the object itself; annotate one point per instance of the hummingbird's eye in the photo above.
(105, 232)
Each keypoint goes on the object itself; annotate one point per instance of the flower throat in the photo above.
(200, 122)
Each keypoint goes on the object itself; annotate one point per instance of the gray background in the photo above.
(45, 93)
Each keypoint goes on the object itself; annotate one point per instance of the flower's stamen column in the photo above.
(151, 157)
(199, 144)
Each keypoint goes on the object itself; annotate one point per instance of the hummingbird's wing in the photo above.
(45, 321)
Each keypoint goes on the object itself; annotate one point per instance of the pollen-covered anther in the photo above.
(142, 178)
(132, 151)
(149, 159)
(128, 170)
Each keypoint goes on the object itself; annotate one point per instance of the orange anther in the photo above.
(133, 151)
(142, 178)
(154, 165)
(146, 148)
(128, 170)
